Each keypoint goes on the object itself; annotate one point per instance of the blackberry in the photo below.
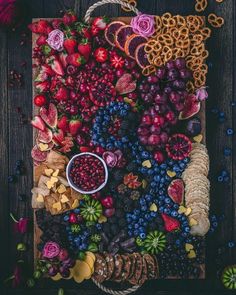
(132, 167)
(118, 175)
(122, 189)
(135, 195)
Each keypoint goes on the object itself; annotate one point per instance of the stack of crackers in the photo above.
(134, 268)
(197, 189)
(51, 188)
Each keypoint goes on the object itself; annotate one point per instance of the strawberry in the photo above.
(42, 76)
(42, 40)
(61, 93)
(100, 23)
(117, 61)
(94, 31)
(44, 27)
(85, 48)
(56, 23)
(74, 126)
(63, 124)
(55, 65)
(69, 17)
(38, 123)
(62, 56)
(42, 86)
(101, 54)
(75, 59)
(170, 223)
(33, 27)
(58, 136)
(70, 45)
(47, 70)
(40, 100)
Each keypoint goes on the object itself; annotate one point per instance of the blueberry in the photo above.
(220, 178)
(19, 163)
(11, 178)
(229, 131)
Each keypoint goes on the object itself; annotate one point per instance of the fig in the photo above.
(176, 191)
(125, 84)
(191, 107)
(49, 115)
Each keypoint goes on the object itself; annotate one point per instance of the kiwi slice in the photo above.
(155, 242)
(91, 210)
(229, 277)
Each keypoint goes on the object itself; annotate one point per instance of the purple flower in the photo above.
(56, 39)
(143, 24)
(201, 94)
(21, 225)
(110, 159)
(51, 250)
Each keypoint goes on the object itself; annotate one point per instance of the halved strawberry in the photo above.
(38, 123)
(42, 76)
(171, 224)
(63, 124)
(58, 137)
(55, 65)
(62, 56)
(48, 70)
(42, 86)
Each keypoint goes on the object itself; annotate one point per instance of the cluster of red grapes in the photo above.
(163, 94)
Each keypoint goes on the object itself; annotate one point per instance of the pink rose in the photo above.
(56, 39)
(110, 159)
(201, 94)
(51, 250)
(143, 24)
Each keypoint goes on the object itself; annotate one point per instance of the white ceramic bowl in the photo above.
(75, 187)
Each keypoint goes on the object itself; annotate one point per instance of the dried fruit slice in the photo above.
(49, 115)
(191, 107)
(171, 224)
(122, 35)
(38, 155)
(132, 43)
(229, 277)
(126, 84)
(141, 56)
(176, 191)
(178, 147)
(45, 136)
(110, 31)
(155, 242)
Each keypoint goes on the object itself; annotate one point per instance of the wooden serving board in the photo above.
(37, 231)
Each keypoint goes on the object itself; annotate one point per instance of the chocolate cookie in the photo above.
(132, 267)
(138, 269)
(144, 275)
(151, 266)
(110, 265)
(118, 267)
(126, 267)
(100, 269)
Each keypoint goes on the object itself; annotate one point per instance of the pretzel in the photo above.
(215, 21)
(219, 1)
(158, 61)
(131, 2)
(190, 87)
(201, 5)
(197, 49)
(183, 43)
(205, 32)
(180, 20)
(165, 39)
(197, 39)
(149, 70)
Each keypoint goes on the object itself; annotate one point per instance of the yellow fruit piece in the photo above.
(188, 247)
(192, 222)
(192, 254)
(81, 271)
(70, 276)
(57, 277)
(171, 173)
(64, 199)
(56, 173)
(43, 147)
(198, 138)
(54, 179)
(147, 164)
(90, 261)
(57, 206)
(40, 198)
(153, 207)
(50, 184)
(182, 209)
(102, 219)
(48, 172)
(61, 189)
(88, 253)
(75, 204)
(144, 183)
(188, 211)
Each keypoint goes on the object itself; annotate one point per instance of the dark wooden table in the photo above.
(16, 142)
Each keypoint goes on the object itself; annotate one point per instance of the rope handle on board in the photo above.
(112, 292)
(102, 2)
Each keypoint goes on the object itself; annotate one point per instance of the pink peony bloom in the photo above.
(55, 40)
(51, 250)
(201, 94)
(143, 24)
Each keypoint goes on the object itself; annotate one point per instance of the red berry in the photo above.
(159, 157)
(40, 100)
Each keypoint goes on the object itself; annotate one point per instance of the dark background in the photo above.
(16, 142)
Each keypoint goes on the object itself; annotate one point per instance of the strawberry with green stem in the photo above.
(75, 125)
(75, 59)
(84, 48)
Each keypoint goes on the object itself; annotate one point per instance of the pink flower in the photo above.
(55, 39)
(110, 159)
(201, 94)
(51, 250)
(143, 24)
(9, 12)
(21, 225)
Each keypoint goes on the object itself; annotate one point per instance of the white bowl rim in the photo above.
(72, 185)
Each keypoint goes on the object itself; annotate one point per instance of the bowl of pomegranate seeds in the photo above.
(87, 173)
